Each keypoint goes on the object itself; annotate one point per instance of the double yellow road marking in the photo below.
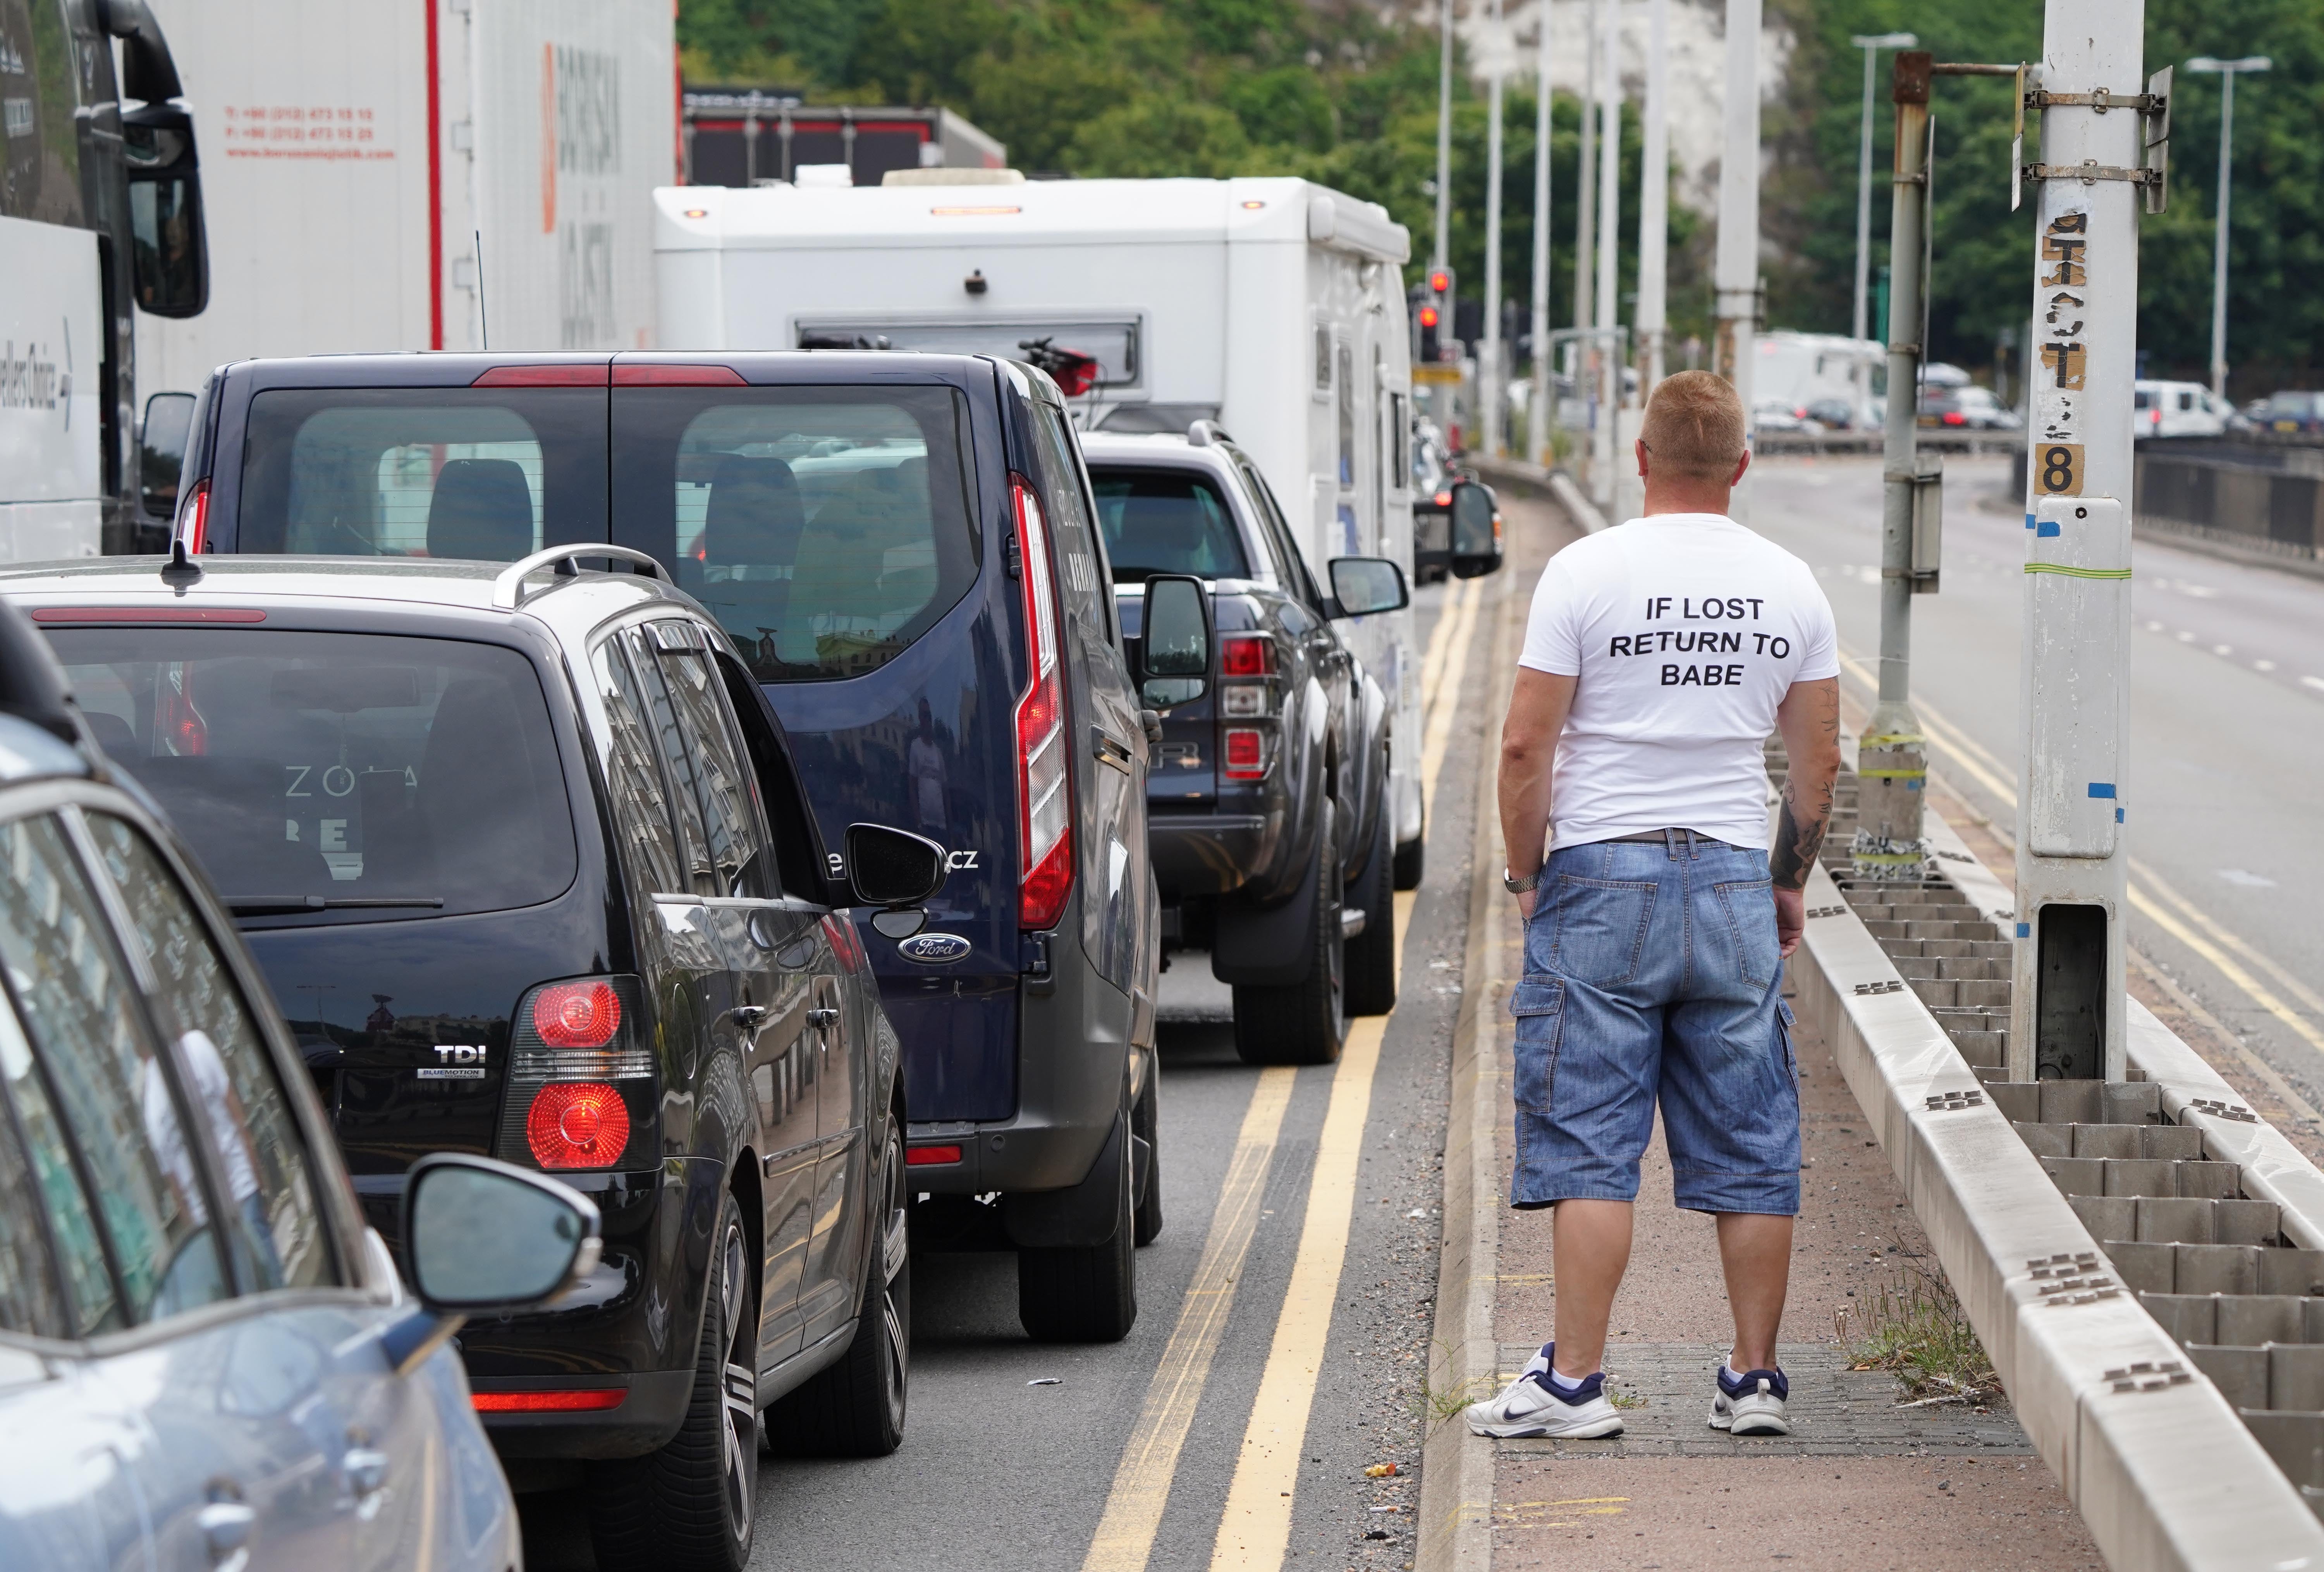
(1254, 1531)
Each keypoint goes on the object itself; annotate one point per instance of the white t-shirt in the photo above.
(1686, 630)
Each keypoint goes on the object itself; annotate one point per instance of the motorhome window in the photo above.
(473, 472)
(1400, 428)
(346, 766)
(1167, 520)
(40, 148)
(1345, 363)
(826, 528)
(1112, 344)
(1323, 360)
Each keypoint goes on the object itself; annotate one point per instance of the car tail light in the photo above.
(183, 730)
(571, 1400)
(668, 375)
(1247, 655)
(569, 375)
(924, 1156)
(1245, 753)
(194, 520)
(1045, 792)
(583, 1089)
(578, 1124)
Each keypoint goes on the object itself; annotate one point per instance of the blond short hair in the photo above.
(1694, 428)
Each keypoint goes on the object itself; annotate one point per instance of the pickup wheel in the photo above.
(855, 1408)
(1146, 1123)
(1084, 1296)
(691, 1504)
(1303, 1023)
(1372, 954)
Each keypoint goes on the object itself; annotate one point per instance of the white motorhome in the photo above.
(1272, 306)
(360, 155)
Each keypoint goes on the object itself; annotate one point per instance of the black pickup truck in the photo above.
(1267, 805)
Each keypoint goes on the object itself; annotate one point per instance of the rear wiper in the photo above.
(285, 906)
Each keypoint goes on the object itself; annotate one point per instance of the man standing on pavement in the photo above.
(1658, 656)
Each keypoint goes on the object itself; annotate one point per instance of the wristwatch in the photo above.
(1516, 886)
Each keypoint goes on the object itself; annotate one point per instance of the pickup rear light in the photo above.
(583, 1089)
(1044, 784)
(194, 519)
(1247, 655)
(1245, 753)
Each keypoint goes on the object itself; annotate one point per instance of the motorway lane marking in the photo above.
(1946, 735)
(1150, 1461)
(1432, 663)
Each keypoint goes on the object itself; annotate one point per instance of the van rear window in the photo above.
(351, 768)
(1165, 520)
(826, 528)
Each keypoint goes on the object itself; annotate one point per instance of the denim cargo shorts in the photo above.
(1652, 973)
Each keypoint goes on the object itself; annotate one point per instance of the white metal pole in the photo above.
(1863, 316)
(1540, 410)
(1586, 186)
(1736, 270)
(2068, 1004)
(1610, 237)
(2219, 244)
(1444, 136)
(1651, 318)
(1488, 355)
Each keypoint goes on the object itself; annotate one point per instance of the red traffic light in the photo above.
(1440, 281)
(1428, 315)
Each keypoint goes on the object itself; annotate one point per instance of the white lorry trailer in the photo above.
(1272, 306)
(357, 153)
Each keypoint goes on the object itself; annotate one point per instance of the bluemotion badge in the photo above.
(933, 949)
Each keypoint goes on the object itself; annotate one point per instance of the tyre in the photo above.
(1303, 1023)
(855, 1408)
(1370, 960)
(1084, 1296)
(1146, 1123)
(1411, 861)
(689, 1506)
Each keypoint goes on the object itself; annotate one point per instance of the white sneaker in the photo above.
(1531, 1406)
(1752, 1405)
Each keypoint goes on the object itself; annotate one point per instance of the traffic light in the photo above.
(1429, 318)
(1440, 302)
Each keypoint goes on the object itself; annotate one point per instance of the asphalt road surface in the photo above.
(1305, 1201)
(2227, 746)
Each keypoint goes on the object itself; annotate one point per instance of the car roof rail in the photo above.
(508, 589)
(1203, 433)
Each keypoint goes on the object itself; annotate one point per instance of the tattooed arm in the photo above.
(1809, 722)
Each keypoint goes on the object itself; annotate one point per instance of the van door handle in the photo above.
(1108, 751)
(822, 1015)
(748, 1016)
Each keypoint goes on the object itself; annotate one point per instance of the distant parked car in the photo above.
(1779, 415)
(2292, 412)
(1966, 408)
(206, 1359)
(2180, 408)
(1832, 414)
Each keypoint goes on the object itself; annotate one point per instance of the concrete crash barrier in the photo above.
(2017, 1184)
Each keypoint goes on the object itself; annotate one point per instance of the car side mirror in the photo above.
(162, 451)
(1476, 530)
(170, 250)
(486, 1237)
(896, 870)
(1362, 585)
(1174, 638)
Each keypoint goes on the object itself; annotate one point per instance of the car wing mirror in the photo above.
(1476, 530)
(1363, 586)
(897, 872)
(486, 1237)
(1175, 637)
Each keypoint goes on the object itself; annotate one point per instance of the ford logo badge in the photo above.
(933, 949)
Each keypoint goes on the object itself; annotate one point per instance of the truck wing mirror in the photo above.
(1476, 530)
(171, 251)
(1362, 585)
(1174, 641)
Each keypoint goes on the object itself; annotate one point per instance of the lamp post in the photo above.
(1539, 407)
(1871, 44)
(2229, 70)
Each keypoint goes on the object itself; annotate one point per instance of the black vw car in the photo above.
(523, 853)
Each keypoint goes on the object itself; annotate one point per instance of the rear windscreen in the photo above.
(473, 472)
(1165, 520)
(352, 767)
(826, 528)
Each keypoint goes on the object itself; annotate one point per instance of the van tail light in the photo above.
(1245, 753)
(194, 519)
(1044, 784)
(583, 1089)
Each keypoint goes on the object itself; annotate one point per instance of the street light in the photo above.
(2228, 70)
(1871, 44)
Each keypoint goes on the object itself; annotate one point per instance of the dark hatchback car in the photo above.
(902, 549)
(524, 855)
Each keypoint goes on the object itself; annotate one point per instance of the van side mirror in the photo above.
(896, 870)
(1362, 586)
(171, 270)
(162, 451)
(1175, 637)
(1476, 530)
(486, 1237)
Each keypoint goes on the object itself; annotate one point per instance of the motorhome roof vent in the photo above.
(961, 177)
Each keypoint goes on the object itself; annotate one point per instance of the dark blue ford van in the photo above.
(903, 548)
